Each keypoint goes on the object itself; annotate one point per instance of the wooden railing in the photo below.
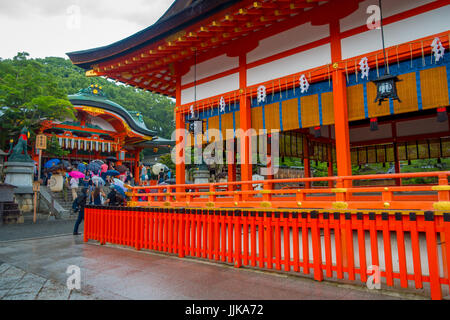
(271, 194)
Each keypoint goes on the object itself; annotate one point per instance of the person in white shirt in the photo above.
(74, 187)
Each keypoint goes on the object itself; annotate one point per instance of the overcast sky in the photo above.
(46, 28)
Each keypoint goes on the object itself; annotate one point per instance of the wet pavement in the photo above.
(42, 228)
(36, 269)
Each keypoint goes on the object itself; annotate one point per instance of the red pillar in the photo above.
(180, 138)
(137, 175)
(245, 122)
(341, 129)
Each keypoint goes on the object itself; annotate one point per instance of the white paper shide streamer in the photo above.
(364, 67)
(304, 84)
(222, 105)
(438, 49)
(261, 94)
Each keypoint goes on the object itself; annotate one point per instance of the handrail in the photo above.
(342, 196)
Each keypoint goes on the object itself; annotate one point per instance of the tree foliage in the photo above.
(37, 89)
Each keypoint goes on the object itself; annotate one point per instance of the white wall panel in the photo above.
(289, 39)
(410, 29)
(390, 8)
(210, 67)
(295, 63)
(211, 88)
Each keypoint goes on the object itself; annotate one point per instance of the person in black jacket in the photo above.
(79, 204)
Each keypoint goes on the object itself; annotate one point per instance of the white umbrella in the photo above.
(98, 181)
(119, 183)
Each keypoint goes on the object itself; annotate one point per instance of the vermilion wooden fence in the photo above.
(409, 249)
(291, 193)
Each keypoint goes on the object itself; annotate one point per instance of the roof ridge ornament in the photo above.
(93, 90)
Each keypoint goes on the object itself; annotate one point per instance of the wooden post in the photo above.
(180, 140)
(341, 129)
(245, 123)
(306, 163)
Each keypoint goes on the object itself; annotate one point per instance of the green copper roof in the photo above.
(95, 97)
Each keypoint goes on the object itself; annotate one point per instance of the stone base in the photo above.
(25, 202)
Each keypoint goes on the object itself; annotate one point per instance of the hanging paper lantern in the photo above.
(374, 124)
(109, 146)
(85, 145)
(79, 144)
(67, 143)
(261, 94)
(73, 143)
(96, 145)
(304, 84)
(60, 141)
(364, 66)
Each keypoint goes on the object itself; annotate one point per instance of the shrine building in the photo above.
(341, 82)
(102, 129)
(306, 69)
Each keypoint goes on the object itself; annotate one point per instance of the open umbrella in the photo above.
(81, 167)
(94, 166)
(98, 161)
(119, 190)
(157, 168)
(98, 181)
(104, 167)
(112, 173)
(76, 174)
(66, 164)
(51, 163)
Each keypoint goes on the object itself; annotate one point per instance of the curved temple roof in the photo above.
(192, 31)
(181, 14)
(95, 98)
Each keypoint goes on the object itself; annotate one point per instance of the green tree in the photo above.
(28, 96)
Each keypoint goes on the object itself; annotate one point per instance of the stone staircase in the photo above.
(62, 204)
(59, 205)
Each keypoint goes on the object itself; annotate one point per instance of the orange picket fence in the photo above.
(405, 249)
(300, 193)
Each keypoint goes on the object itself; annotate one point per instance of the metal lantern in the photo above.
(386, 88)
(195, 125)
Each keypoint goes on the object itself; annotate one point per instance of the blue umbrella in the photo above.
(112, 173)
(94, 166)
(51, 163)
(81, 167)
(119, 190)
